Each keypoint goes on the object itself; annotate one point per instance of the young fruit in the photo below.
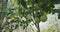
(43, 18)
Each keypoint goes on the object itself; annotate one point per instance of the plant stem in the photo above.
(37, 25)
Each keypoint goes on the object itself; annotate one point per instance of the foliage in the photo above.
(51, 29)
(54, 28)
(15, 13)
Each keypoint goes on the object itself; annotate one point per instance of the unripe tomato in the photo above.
(37, 20)
(28, 17)
(43, 18)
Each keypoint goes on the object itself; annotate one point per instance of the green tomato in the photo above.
(28, 17)
(43, 18)
(37, 20)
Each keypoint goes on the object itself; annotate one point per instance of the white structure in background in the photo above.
(57, 6)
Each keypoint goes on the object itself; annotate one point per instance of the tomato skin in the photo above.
(43, 18)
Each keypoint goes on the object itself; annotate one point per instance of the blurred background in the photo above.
(29, 15)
